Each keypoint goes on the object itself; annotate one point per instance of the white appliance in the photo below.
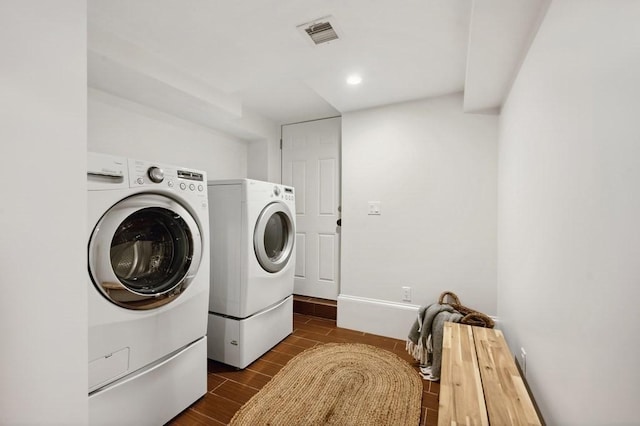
(148, 265)
(252, 268)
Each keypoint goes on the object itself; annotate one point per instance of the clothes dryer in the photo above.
(252, 268)
(148, 275)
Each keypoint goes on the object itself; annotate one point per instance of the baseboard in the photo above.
(380, 317)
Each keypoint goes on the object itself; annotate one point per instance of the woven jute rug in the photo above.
(338, 384)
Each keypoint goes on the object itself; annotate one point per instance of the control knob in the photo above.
(155, 174)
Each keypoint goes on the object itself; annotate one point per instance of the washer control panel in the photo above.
(156, 174)
(144, 173)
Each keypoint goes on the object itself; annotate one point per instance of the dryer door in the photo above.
(274, 236)
(144, 251)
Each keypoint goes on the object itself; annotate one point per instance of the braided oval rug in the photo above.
(338, 384)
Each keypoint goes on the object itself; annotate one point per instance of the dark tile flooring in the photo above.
(315, 307)
(229, 389)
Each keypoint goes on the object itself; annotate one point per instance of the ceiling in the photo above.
(220, 60)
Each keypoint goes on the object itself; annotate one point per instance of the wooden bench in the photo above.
(479, 381)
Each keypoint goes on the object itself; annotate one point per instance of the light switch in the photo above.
(374, 207)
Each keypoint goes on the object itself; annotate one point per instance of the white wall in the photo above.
(434, 171)
(569, 209)
(263, 161)
(121, 127)
(274, 159)
(257, 167)
(43, 307)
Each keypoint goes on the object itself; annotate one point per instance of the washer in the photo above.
(148, 274)
(252, 268)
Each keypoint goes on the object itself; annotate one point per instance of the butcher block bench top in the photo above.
(479, 381)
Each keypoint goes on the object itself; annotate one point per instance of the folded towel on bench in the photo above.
(424, 342)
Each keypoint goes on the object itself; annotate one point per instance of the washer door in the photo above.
(273, 237)
(144, 251)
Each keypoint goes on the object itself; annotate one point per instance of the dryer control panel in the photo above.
(288, 193)
(283, 192)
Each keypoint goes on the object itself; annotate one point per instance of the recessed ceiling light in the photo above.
(354, 79)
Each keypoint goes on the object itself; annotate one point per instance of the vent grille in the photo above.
(321, 32)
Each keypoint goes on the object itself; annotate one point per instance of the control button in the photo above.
(192, 186)
(200, 188)
(170, 183)
(155, 174)
(276, 190)
(183, 185)
(140, 181)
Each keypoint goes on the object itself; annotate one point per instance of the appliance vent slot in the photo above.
(321, 32)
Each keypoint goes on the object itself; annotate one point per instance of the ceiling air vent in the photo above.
(320, 31)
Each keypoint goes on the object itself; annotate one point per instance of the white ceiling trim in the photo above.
(121, 68)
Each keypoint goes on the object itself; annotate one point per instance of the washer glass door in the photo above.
(273, 237)
(144, 251)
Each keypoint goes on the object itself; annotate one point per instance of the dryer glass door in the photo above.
(274, 237)
(144, 251)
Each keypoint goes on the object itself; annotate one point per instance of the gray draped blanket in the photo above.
(424, 342)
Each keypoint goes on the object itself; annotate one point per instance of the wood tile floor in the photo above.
(229, 388)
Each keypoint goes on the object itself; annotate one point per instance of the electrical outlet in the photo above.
(406, 294)
(523, 361)
(374, 208)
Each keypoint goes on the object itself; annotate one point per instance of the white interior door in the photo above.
(311, 164)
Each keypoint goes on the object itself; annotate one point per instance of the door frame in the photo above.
(339, 165)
